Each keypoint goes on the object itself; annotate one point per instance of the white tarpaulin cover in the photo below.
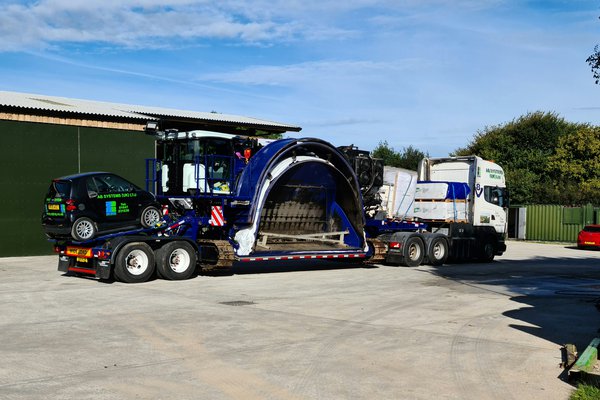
(398, 191)
(441, 210)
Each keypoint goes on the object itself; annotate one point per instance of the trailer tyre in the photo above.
(437, 253)
(150, 216)
(134, 263)
(176, 261)
(414, 252)
(83, 229)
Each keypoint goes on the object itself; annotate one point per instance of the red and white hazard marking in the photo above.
(216, 216)
(303, 257)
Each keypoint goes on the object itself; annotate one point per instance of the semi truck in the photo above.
(463, 203)
(229, 198)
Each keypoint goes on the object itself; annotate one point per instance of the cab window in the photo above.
(189, 150)
(495, 195)
(218, 155)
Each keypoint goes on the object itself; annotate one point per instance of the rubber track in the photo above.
(379, 251)
(226, 254)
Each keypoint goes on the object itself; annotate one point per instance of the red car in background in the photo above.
(589, 237)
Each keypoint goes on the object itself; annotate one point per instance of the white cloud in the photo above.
(156, 23)
(316, 71)
(137, 23)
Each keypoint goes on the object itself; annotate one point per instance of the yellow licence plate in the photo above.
(82, 260)
(589, 243)
(53, 207)
(79, 252)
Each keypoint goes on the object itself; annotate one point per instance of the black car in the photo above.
(83, 205)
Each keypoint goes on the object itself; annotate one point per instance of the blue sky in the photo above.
(426, 73)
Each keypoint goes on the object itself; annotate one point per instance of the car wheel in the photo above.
(134, 263)
(150, 216)
(176, 261)
(83, 229)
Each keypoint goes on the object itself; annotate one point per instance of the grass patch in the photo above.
(586, 392)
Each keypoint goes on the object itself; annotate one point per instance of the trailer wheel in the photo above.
(438, 251)
(176, 261)
(83, 229)
(414, 252)
(150, 216)
(134, 263)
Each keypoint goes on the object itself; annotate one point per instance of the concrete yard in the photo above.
(311, 331)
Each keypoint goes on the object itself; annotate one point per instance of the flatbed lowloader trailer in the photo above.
(231, 198)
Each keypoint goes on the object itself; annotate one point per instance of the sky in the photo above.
(423, 73)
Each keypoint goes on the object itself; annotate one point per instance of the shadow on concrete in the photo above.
(556, 299)
(268, 267)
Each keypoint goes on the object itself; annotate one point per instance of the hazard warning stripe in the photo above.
(216, 216)
(316, 256)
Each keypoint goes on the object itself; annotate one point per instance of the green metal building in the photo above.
(45, 137)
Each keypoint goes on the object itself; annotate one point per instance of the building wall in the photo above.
(33, 154)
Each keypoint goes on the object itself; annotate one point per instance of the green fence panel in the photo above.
(557, 223)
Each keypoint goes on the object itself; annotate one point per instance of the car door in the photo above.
(117, 200)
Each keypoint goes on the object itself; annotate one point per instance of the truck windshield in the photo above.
(496, 195)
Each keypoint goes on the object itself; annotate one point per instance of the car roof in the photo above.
(593, 226)
(81, 175)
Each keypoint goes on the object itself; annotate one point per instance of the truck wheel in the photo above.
(176, 261)
(488, 252)
(438, 251)
(134, 263)
(150, 216)
(414, 252)
(83, 229)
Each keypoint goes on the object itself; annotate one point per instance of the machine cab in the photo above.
(200, 163)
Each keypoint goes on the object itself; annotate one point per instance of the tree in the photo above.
(577, 162)
(408, 158)
(594, 63)
(529, 150)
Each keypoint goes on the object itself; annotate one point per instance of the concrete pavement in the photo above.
(324, 331)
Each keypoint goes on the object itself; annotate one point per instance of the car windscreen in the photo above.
(592, 229)
(61, 189)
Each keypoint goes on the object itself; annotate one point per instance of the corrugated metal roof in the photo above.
(99, 108)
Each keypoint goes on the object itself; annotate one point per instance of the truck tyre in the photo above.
(414, 252)
(176, 261)
(83, 229)
(150, 216)
(134, 263)
(488, 252)
(437, 253)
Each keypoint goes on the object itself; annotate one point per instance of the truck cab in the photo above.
(487, 201)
